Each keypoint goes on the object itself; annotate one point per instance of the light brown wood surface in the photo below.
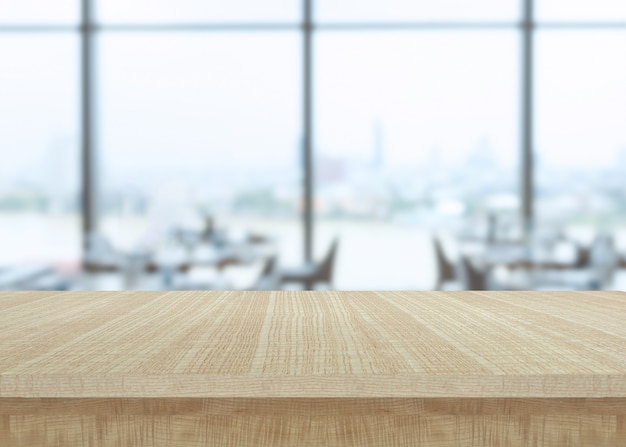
(312, 368)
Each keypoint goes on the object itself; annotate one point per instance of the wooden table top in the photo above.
(313, 344)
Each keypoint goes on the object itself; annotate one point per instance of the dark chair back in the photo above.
(268, 279)
(326, 266)
(445, 269)
(269, 267)
(473, 278)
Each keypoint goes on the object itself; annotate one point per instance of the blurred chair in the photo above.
(311, 274)
(268, 278)
(472, 277)
(446, 275)
(603, 260)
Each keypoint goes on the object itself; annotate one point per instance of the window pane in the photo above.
(581, 10)
(581, 138)
(408, 10)
(39, 172)
(415, 132)
(38, 11)
(167, 11)
(197, 125)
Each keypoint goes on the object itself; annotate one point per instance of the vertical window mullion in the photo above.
(88, 180)
(307, 30)
(527, 214)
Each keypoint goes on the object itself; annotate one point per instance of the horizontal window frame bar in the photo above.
(39, 29)
(579, 25)
(347, 27)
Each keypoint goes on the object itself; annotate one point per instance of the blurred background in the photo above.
(269, 144)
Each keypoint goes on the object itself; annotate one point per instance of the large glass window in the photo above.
(580, 137)
(194, 125)
(198, 109)
(415, 132)
(40, 168)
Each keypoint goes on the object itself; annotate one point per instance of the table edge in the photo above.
(341, 386)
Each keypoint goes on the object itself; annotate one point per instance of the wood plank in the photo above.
(294, 344)
(248, 422)
(312, 368)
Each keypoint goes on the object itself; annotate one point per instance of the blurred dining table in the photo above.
(530, 264)
(175, 265)
(522, 254)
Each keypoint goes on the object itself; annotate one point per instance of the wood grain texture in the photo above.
(312, 368)
(312, 422)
